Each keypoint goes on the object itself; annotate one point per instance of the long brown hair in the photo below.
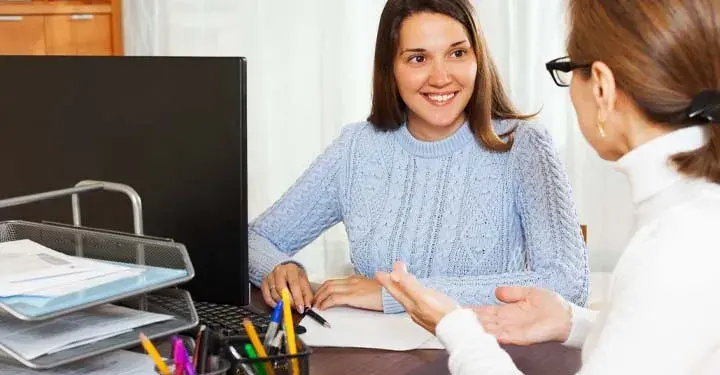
(489, 99)
(662, 53)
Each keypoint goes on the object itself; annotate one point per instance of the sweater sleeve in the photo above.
(472, 351)
(556, 257)
(304, 212)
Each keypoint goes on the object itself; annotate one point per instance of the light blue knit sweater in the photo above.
(463, 218)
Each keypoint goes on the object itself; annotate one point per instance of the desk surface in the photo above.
(540, 359)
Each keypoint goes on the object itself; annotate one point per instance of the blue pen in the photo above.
(274, 324)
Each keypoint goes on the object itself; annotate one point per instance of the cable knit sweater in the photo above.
(463, 218)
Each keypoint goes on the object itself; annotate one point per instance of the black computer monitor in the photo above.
(173, 128)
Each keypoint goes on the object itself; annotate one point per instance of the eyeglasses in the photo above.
(561, 70)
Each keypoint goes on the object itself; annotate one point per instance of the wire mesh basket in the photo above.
(164, 263)
(171, 301)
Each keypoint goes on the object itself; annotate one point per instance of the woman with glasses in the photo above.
(445, 175)
(644, 79)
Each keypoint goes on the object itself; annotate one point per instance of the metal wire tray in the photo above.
(169, 260)
(170, 301)
(153, 253)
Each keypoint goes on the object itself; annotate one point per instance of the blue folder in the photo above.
(28, 307)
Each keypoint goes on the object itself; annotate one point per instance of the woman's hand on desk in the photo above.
(292, 277)
(425, 306)
(529, 316)
(356, 291)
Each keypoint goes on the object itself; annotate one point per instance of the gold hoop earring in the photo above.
(601, 128)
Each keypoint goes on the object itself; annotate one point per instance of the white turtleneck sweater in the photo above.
(662, 314)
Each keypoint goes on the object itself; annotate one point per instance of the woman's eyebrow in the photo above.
(420, 50)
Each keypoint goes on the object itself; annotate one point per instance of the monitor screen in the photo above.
(173, 128)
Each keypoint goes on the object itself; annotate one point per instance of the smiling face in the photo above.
(435, 70)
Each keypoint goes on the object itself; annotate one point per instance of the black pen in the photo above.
(275, 344)
(315, 316)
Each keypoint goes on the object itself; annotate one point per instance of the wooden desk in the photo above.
(550, 359)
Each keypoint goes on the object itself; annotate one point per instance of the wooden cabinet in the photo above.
(22, 35)
(78, 34)
(61, 27)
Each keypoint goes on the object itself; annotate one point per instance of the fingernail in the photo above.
(300, 309)
(394, 277)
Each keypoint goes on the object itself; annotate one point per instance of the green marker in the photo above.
(252, 355)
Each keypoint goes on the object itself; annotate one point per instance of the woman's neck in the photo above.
(639, 132)
(423, 131)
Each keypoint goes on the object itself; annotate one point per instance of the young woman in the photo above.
(444, 175)
(647, 94)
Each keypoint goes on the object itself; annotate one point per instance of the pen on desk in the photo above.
(255, 340)
(153, 353)
(244, 366)
(289, 331)
(252, 355)
(316, 317)
(274, 323)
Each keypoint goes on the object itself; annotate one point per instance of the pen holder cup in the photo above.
(281, 364)
(216, 366)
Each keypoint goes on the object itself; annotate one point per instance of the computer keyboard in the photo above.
(226, 320)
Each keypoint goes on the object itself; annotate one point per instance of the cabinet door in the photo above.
(78, 34)
(22, 35)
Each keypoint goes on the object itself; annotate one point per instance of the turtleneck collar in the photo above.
(648, 166)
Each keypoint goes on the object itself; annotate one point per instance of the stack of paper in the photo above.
(120, 362)
(355, 328)
(30, 269)
(30, 340)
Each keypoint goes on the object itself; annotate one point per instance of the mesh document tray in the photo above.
(184, 318)
(166, 264)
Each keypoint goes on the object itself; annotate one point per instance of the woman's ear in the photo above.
(603, 83)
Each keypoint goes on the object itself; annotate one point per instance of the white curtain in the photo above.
(309, 73)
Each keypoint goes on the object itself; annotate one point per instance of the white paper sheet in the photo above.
(33, 339)
(120, 362)
(76, 344)
(28, 268)
(24, 260)
(355, 328)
